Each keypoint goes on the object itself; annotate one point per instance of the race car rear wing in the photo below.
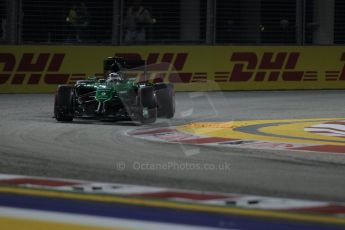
(116, 64)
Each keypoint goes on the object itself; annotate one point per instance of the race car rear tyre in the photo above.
(166, 100)
(63, 106)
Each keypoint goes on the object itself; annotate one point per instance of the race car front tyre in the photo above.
(148, 104)
(146, 97)
(148, 115)
(166, 101)
(63, 106)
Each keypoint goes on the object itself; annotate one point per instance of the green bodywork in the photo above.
(109, 91)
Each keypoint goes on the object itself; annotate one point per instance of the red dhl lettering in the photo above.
(29, 63)
(33, 66)
(160, 62)
(163, 67)
(45, 68)
(33, 69)
(268, 67)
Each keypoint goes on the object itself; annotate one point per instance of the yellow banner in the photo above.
(41, 69)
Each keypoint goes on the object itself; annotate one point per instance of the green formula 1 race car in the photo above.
(117, 97)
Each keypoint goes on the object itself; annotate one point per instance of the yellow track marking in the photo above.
(294, 130)
(297, 130)
(26, 224)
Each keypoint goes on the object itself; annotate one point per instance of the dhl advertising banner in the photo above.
(40, 69)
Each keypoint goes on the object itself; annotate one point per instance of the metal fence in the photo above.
(339, 22)
(3, 21)
(58, 21)
(266, 21)
(172, 22)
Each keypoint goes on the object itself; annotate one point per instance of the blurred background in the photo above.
(295, 22)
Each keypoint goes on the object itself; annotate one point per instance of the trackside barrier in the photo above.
(39, 69)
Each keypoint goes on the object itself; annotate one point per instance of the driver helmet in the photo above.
(114, 77)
